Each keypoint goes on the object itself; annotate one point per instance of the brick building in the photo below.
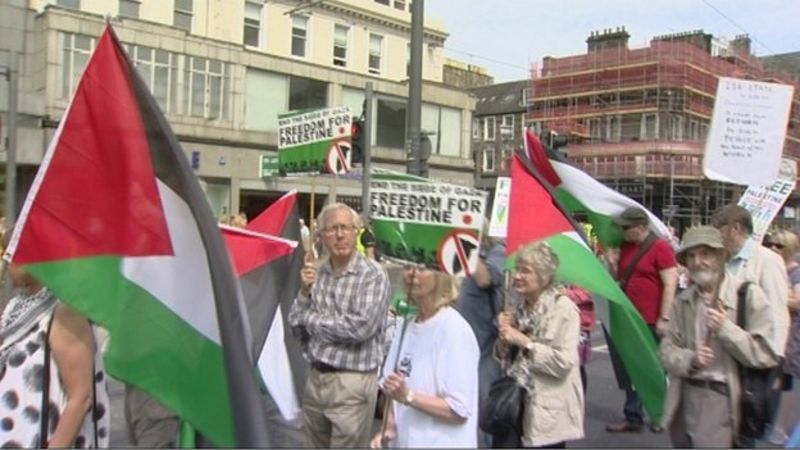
(637, 119)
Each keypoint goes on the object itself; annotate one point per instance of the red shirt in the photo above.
(645, 286)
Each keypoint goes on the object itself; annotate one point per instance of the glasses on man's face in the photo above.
(338, 229)
(777, 245)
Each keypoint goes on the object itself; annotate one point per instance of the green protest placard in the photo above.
(315, 141)
(424, 222)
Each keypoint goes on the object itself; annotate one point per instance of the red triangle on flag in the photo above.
(539, 158)
(116, 208)
(251, 250)
(274, 219)
(532, 215)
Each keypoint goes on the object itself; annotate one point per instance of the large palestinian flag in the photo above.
(579, 193)
(269, 275)
(534, 216)
(117, 226)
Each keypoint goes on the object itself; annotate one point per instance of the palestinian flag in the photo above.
(579, 193)
(535, 216)
(117, 226)
(269, 285)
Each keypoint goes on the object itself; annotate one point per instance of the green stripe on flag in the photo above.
(191, 381)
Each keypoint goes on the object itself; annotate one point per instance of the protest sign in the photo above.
(748, 128)
(498, 223)
(764, 202)
(420, 221)
(315, 141)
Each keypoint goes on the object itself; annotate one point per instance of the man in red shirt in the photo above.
(651, 285)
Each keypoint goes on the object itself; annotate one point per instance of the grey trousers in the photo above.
(703, 419)
(150, 424)
(339, 407)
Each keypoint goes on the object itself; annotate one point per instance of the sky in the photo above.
(506, 36)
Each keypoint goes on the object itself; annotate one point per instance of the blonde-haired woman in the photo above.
(786, 244)
(435, 383)
(539, 339)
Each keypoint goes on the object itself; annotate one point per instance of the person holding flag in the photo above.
(431, 372)
(539, 339)
(340, 313)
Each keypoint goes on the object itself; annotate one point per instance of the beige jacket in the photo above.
(768, 270)
(749, 347)
(550, 372)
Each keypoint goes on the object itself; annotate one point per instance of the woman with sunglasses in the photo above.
(786, 244)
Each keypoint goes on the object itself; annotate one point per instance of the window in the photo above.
(266, 97)
(488, 132)
(507, 129)
(523, 97)
(182, 17)
(649, 128)
(159, 69)
(375, 50)
(129, 8)
(391, 123)
(299, 35)
(76, 51)
(70, 3)
(476, 131)
(400, 4)
(383, 2)
(340, 33)
(305, 93)
(252, 22)
(489, 159)
(677, 128)
(206, 88)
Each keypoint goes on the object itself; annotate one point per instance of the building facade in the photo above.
(637, 119)
(498, 128)
(223, 70)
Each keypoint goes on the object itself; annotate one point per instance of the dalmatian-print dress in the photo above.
(21, 383)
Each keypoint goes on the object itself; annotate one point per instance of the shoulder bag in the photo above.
(758, 385)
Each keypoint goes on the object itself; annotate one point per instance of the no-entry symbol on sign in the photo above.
(458, 252)
(338, 160)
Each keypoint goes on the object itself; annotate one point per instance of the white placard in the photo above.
(748, 128)
(764, 202)
(498, 225)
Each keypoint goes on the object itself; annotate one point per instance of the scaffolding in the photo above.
(641, 115)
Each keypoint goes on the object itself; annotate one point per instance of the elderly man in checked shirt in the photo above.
(340, 311)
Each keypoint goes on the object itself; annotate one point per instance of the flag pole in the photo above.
(387, 406)
(312, 247)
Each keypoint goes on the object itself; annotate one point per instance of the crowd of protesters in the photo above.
(716, 301)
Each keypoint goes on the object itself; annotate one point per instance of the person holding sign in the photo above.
(340, 313)
(432, 371)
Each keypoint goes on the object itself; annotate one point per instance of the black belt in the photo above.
(322, 367)
(717, 386)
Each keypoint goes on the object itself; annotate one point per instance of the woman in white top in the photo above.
(434, 382)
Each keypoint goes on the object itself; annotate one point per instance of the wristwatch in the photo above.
(409, 397)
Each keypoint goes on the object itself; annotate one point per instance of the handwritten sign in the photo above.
(764, 202)
(748, 128)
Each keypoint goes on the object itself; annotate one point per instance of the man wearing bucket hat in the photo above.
(648, 274)
(704, 344)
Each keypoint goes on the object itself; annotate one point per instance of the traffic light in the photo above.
(425, 149)
(357, 142)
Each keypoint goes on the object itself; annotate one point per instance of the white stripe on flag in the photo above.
(273, 363)
(599, 197)
(182, 282)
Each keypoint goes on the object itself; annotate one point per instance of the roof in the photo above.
(787, 62)
(502, 98)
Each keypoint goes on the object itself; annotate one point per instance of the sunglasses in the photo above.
(774, 245)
